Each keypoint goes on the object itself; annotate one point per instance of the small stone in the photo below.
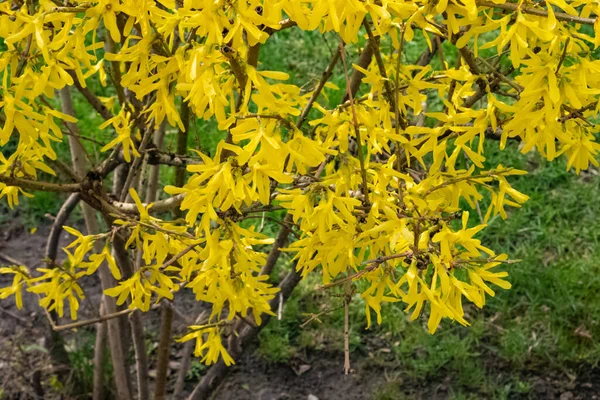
(312, 397)
(302, 369)
(567, 396)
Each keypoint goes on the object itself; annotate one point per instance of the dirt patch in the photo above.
(320, 375)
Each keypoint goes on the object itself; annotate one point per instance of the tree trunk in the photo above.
(99, 347)
(166, 314)
(121, 375)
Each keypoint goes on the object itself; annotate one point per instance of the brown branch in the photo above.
(11, 259)
(275, 220)
(399, 150)
(346, 337)
(157, 157)
(469, 58)
(578, 113)
(315, 317)
(158, 207)
(40, 185)
(279, 118)
(91, 98)
(426, 57)
(24, 56)
(374, 42)
(563, 55)
(485, 175)
(361, 157)
(541, 13)
(133, 170)
(356, 79)
(188, 347)
(317, 92)
(115, 333)
(15, 316)
(501, 76)
(62, 216)
(177, 256)
(99, 357)
(135, 319)
(79, 9)
(80, 324)
(182, 142)
(371, 266)
(163, 350)
(284, 24)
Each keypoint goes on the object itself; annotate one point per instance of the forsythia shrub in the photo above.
(376, 200)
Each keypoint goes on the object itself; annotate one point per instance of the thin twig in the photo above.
(15, 316)
(541, 13)
(361, 157)
(501, 76)
(324, 78)
(279, 118)
(92, 321)
(315, 317)
(563, 55)
(40, 185)
(371, 266)
(346, 337)
(11, 260)
(374, 42)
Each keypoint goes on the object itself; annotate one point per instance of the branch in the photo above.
(79, 9)
(501, 76)
(470, 60)
(426, 57)
(133, 171)
(135, 319)
(91, 98)
(361, 157)
(373, 41)
(324, 78)
(563, 55)
(186, 358)
(371, 266)
(578, 113)
(541, 13)
(92, 321)
(275, 220)
(279, 118)
(40, 185)
(158, 207)
(356, 79)
(485, 175)
(99, 362)
(284, 24)
(62, 216)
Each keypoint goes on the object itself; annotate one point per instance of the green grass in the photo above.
(81, 358)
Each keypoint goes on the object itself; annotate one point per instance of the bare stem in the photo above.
(361, 157)
(535, 11)
(324, 78)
